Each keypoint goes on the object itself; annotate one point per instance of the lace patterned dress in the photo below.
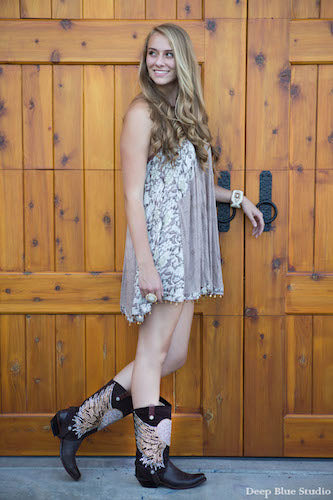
(180, 210)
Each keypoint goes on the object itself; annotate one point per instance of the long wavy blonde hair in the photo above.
(188, 118)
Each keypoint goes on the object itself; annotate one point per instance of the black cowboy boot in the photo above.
(72, 425)
(153, 468)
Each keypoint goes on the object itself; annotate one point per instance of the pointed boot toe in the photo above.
(68, 450)
(178, 479)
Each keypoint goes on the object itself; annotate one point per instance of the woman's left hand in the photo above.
(255, 216)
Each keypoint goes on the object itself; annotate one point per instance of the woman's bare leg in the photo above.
(152, 348)
(177, 352)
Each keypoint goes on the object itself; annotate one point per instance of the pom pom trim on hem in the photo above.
(139, 318)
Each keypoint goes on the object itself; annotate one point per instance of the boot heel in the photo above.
(55, 426)
(147, 484)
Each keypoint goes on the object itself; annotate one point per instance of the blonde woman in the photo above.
(172, 254)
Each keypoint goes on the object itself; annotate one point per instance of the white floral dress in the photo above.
(180, 210)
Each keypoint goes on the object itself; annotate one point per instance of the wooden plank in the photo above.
(9, 8)
(100, 221)
(264, 385)
(131, 9)
(325, 117)
(38, 220)
(94, 41)
(310, 41)
(301, 9)
(99, 9)
(98, 120)
(12, 364)
(222, 390)
(322, 383)
(268, 85)
(69, 221)
(189, 9)
(266, 257)
(36, 9)
(299, 364)
(69, 9)
(323, 243)
(10, 117)
(100, 351)
(309, 294)
(302, 150)
(70, 360)
(37, 116)
(188, 381)
(68, 116)
(260, 9)
(11, 221)
(308, 436)
(40, 363)
(227, 9)
(33, 432)
(160, 9)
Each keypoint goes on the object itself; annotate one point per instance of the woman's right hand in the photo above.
(150, 281)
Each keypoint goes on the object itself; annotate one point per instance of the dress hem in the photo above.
(139, 318)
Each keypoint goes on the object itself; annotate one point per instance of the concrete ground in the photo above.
(44, 478)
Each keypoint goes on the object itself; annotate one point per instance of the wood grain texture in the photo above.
(308, 436)
(310, 41)
(309, 293)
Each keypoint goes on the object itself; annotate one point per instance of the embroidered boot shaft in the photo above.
(153, 467)
(109, 404)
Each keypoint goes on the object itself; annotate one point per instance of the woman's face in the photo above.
(160, 60)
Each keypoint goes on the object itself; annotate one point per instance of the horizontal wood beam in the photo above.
(71, 293)
(309, 293)
(308, 435)
(83, 41)
(311, 41)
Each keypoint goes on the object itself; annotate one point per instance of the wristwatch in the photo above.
(237, 197)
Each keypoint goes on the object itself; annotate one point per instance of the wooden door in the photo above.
(68, 71)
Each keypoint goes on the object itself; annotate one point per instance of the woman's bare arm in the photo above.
(134, 145)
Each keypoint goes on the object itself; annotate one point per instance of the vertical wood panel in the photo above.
(38, 220)
(11, 221)
(322, 364)
(222, 389)
(9, 8)
(299, 364)
(40, 353)
(303, 9)
(264, 386)
(268, 81)
(67, 9)
(37, 116)
(10, 116)
(70, 360)
(160, 9)
(100, 220)
(98, 117)
(323, 251)
(69, 221)
(131, 9)
(98, 9)
(326, 9)
(68, 116)
(225, 9)
(13, 364)
(269, 8)
(325, 117)
(188, 379)
(36, 9)
(100, 351)
(224, 91)
(189, 9)
(126, 87)
(302, 146)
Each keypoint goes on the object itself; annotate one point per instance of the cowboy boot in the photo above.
(72, 425)
(153, 468)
